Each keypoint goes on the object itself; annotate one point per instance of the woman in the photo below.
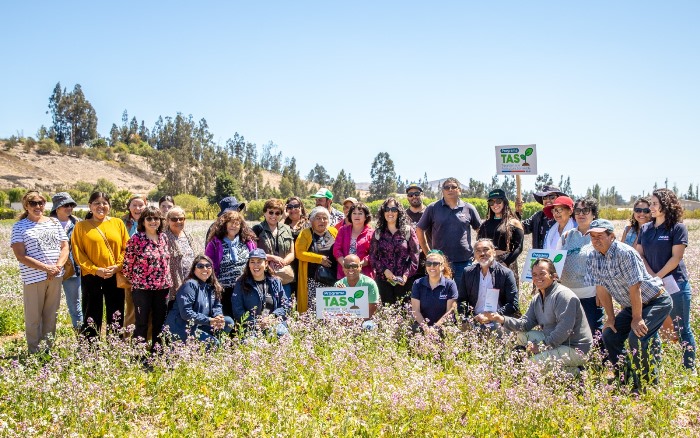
(62, 210)
(147, 267)
(314, 250)
(165, 204)
(134, 209)
(277, 241)
(230, 242)
(434, 297)
(296, 220)
(504, 229)
(197, 310)
(259, 301)
(98, 244)
(662, 244)
(394, 252)
(41, 246)
(355, 238)
(561, 210)
(181, 249)
(641, 214)
(576, 243)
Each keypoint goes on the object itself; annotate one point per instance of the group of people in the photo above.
(144, 268)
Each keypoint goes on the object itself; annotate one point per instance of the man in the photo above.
(347, 204)
(618, 272)
(448, 223)
(565, 335)
(354, 278)
(324, 198)
(415, 211)
(479, 278)
(229, 203)
(538, 224)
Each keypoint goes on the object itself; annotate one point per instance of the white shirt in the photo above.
(485, 283)
(553, 239)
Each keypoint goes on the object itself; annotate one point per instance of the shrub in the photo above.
(11, 143)
(15, 194)
(3, 198)
(76, 151)
(254, 210)
(30, 141)
(11, 318)
(7, 213)
(46, 146)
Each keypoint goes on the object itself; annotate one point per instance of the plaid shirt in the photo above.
(619, 269)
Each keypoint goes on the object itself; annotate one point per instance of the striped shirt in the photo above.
(619, 269)
(42, 242)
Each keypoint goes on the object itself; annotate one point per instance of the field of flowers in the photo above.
(326, 379)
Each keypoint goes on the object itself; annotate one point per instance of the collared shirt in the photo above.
(449, 228)
(485, 283)
(619, 269)
(433, 302)
(658, 243)
(364, 281)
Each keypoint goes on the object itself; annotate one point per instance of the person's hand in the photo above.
(639, 327)
(482, 319)
(217, 322)
(266, 322)
(519, 206)
(609, 323)
(532, 348)
(326, 262)
(388, 274)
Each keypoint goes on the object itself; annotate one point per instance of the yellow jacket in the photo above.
(89, 248)
(302, 253)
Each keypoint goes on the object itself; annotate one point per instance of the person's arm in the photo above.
(638, 325)
(339, 249)
(624, 234)
(186, 300)
(640, 250)
(413, 256)
(20, 253)
(415, 306)
(123, 236)
(240, 313)
(422, 240)
(677, 252)
(605, 300)
(516, 245)
(302, 249)
(130, 257)
(565, 313)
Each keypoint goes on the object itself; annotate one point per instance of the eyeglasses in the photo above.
(293, 206)
(203, 266)
(151, 219)
(495, 201)
(36, 203)
(430, 264)
(450, 187)
(642, 210)
(560, 210)
(584, 210)
(177, 219)
(550, 197)
(391, 210)
(351, 266)
(274, 213)
(413, 194)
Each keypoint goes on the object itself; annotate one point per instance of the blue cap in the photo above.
(601, 226)
(257, 253)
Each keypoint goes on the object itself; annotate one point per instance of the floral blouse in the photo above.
(394, 252)
(147, 263)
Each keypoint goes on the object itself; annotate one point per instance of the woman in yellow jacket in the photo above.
(314, 250)
(98, 245)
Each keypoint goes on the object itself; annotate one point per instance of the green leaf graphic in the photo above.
(557, 258)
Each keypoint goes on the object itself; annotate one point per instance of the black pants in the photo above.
(94, 290)
(147, 303)
(226, 305)
(392, 294)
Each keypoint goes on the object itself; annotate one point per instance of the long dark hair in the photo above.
(212, 281)
(670, 206)
(245, 234)
(95, 196)
(508, 221)
(150, 211)
(633, 222)
(269, 273)
(361, 206)
(400, 217)
(302, 218)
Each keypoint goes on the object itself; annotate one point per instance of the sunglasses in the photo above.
(560, 210)
(274, 213)
(293, 206)
(391, 210)
(430, 264)
(36, 203)
(584, 210)
(413, 194)
(351, 266)
(642, 210)
(452, 187)
(177, 219)
(151, 219)
(550, 197)
(495, 201)
(203, 266)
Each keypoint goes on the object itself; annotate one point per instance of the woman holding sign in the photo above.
(662, 244)
(434, 297)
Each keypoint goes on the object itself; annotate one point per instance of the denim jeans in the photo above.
(681, 322)
(71, 288)
(644, 361)
(594, 315)
(458, 269)
(287, 291)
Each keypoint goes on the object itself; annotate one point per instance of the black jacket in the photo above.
(503, 280)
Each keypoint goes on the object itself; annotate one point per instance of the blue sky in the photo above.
(607, 90)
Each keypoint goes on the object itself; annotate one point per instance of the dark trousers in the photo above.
(645, 350)
(392, 294)
(150, 303)
(594, 315)
(226, 305)
(94, 291)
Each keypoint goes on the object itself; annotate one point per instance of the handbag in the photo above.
(68, 269)
(286, 274)
(325, 275)
(122, 281)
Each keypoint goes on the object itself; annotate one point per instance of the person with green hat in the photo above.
(324, 198)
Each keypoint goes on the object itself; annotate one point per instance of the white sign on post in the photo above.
(556, 256)
(516, 160)
(333, 302)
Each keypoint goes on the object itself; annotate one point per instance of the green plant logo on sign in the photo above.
(358, 294)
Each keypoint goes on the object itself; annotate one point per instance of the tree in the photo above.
(343, 187)
(270, 160)
(543, 180)
(225, 186)
(565, 185)
(383, 177)
(475, 189)
(74, 118)
(291, 183)
(594, 192)
(319, 175)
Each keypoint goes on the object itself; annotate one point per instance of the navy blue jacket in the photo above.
(191, 300)
(248, 305)
(503, 280)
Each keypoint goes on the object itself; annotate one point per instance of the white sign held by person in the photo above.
(516, 160)
(556, 256)
(333, 302)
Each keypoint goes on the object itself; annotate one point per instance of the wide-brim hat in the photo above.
(230, 203)
(61, 199)
(561, 201)
(546, 191)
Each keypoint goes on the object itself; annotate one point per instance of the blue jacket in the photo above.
(248, 305)
(503, 280)
(191, 300)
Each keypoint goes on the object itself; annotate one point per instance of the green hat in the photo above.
(323, 193)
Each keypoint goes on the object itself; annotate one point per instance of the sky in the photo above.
(608, 91)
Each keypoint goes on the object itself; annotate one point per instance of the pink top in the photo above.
(342, 247)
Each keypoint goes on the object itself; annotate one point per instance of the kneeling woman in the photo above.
(258, 300)
(197, 309)
(434, 297)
